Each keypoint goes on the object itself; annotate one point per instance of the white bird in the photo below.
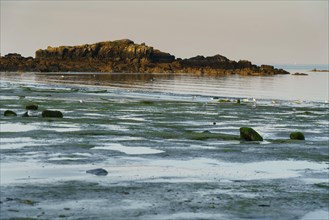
(62, 76)
(245, 100)
(80, 101)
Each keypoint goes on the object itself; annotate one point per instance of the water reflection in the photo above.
(313, 87)
(104, 78)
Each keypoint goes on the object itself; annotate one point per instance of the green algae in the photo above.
(324, 185)
(208, 135)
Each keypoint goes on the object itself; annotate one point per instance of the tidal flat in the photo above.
(168, 155)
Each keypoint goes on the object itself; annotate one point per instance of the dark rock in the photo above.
(127, 56)
(300, 74)
(52, 114)
(26, 114)
(30, 113)
(98, 172)
(31, 107)
(14, 56)
(249, 134)
(297, 136)
(9, 113)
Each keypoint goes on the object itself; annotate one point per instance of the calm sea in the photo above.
(313, 87)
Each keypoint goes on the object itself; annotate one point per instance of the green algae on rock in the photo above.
(297, 136)
(9, 113)
(249, 134)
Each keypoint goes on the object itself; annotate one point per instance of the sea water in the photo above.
(150, 132)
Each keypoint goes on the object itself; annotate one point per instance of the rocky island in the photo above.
(125, 56)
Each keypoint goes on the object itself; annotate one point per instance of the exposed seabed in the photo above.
(160, 163)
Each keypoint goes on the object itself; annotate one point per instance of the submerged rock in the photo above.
(205, 135)
(31, 107)
(52, 114)
(249, 134)
(297, 136)
(9, 113)
(98, 172)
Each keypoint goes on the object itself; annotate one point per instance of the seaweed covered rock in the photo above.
(98, 172)
(52, 114)
(9, 113)
(297, 136)
(249, 134)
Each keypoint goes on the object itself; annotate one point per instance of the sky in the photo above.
(264, 32)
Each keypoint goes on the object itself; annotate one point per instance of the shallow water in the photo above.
(147, 132)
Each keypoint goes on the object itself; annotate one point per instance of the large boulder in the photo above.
(297, 136)
(249, 134)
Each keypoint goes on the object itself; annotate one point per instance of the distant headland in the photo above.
(124, 56)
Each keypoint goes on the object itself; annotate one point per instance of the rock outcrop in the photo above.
(126, 56)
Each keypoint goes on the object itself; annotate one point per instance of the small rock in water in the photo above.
(297, 136)
(31, 107)
(249, 134)
(26, 114)
(52, 114)
(9, 113)
(300, 74)
(98, 172)
(30, 113)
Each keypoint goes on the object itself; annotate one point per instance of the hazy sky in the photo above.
(273, 32)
